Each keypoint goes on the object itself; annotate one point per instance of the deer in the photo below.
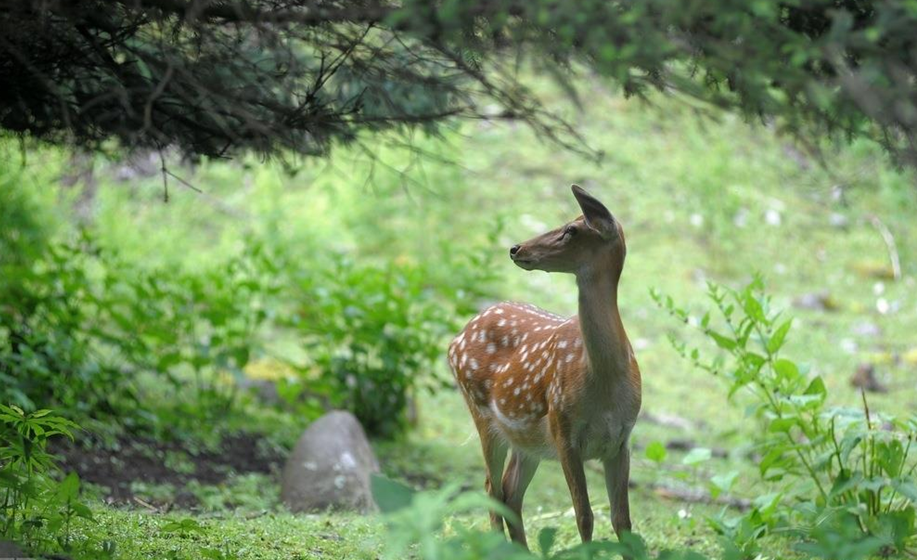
(546, 387)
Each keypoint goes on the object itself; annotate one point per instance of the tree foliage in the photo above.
(213, 77)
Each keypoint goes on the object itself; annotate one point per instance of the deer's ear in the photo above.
(597, 216)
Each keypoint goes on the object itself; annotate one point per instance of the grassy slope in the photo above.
(677, 184)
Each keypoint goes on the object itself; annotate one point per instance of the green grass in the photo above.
(698, 200)
(140, 535)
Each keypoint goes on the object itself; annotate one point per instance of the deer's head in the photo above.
(593, 239)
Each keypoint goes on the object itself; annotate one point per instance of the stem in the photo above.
(799, 453)
(870, 462)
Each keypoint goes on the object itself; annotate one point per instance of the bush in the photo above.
(844, 477)
(36, 509)
(375, 333)
(80, 326)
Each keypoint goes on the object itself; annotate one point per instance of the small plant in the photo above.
(36, 509)
(844, 478)
(415, 522)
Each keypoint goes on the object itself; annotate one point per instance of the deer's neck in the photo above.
(603, 332)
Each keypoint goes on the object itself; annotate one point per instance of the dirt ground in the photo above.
(131, 459)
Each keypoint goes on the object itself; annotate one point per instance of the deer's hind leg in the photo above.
(516, 481)
(495, 450)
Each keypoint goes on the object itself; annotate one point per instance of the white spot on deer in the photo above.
(508, 382)
(501, 322)
(562, 344)
(570, 357)
(464, 360)
(514, 323)
(505, 341)
(468, 374)
(516, 391)
(474, 364)
(491, 347)
(578, 342)
(498, 311)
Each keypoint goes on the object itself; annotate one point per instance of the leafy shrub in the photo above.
(80, 325)
(47, 330)
(193, 328)
(36, 509)
(844, 477)
(415, 521)
(373, 331)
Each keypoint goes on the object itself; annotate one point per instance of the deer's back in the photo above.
(516, 365)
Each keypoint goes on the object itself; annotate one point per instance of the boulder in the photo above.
(330, 467)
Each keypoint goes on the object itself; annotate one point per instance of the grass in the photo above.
(140, 535)
(699, 199)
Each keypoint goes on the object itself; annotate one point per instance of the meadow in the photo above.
(701, 198)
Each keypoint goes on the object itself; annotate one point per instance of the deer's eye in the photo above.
(569, 232)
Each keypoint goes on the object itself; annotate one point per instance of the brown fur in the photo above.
(546, 387)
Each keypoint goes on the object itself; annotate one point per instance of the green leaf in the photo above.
(785, 424)
(81, 510)
(786, 370)
(69, 488)
(390, 495)
(723, 342)
(696, 456)
(753, 308)
(656, 452)
(723, 482)
(546, 540)
(779, 336)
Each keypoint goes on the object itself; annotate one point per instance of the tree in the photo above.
(213, 77)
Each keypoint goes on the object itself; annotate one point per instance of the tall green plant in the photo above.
(844, 477)
(36, 508)
(374, 333)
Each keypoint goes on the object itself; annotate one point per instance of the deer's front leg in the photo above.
(617, 476)
(572, 462)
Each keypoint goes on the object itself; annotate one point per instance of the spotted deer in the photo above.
(547, 387)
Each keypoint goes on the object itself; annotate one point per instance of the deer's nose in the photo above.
(513, 250)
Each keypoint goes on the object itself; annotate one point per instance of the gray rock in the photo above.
(10, 550)
(330, 467)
